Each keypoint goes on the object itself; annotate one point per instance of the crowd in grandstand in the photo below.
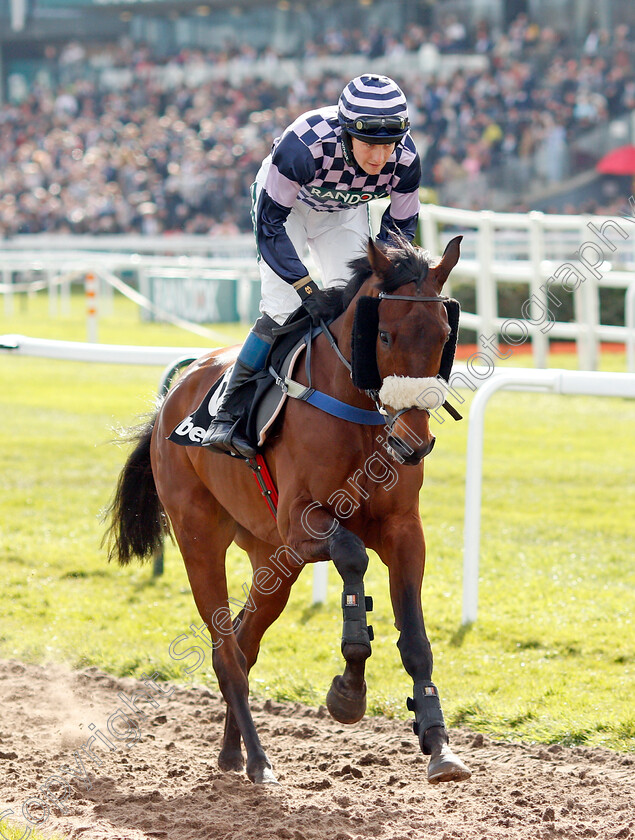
(82, 157)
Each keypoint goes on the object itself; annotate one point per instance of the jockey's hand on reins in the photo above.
(310, 301)
(314, 309)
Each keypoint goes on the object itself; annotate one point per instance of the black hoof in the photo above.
(345, 708)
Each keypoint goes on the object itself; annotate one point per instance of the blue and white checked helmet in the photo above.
(373, 108)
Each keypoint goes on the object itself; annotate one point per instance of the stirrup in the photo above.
(229, 439)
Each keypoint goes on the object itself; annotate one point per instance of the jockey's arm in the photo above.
(402, 214)
(292, 165)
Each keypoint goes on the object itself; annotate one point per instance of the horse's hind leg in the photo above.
(268, 596)
(204, 531)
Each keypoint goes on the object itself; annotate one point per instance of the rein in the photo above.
(318, 399)
(336, 407)
(418, 299)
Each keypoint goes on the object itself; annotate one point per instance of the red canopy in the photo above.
(620, 161)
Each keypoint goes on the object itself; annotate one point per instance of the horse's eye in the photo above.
(384, 337)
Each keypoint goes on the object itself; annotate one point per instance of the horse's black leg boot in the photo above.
(426, 705)
(354, 606)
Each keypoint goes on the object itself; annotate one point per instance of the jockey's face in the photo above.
(371, 157)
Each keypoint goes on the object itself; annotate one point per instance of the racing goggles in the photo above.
(378, 128)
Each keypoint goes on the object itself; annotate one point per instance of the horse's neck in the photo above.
(333, 373)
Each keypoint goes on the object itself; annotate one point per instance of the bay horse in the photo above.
(328, 471)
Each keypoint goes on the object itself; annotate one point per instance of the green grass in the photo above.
(551, 657)
(12, 832)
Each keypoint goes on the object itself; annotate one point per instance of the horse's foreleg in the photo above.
(403, 551)
(346, 699)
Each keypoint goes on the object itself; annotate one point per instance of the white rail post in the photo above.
(582, 337)
(65, 296)
(7, 280)
(90, 286)
(429, 230)
(320, 582)
(486, 305)
(52, 292)
(592, 292)
(590, 314)
(474, 480)
(589, 383)
(539, 306)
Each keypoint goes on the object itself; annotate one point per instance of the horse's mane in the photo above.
(410, 265)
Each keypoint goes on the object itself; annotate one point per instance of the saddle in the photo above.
(259, 402)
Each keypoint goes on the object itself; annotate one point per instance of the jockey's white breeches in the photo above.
(332, 239)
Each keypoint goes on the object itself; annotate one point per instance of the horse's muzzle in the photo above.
(406, 454)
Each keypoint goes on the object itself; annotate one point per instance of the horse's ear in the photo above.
(379, 262)
(449, 259)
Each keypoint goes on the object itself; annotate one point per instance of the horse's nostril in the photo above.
(426, 450)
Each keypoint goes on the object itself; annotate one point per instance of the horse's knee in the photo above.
(349, 555)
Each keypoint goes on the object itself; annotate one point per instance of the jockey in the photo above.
(312, 190)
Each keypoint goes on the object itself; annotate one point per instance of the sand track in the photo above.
(337, 782)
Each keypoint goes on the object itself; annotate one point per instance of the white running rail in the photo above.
(520, 379)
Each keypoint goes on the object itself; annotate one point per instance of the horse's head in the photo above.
(403, 340)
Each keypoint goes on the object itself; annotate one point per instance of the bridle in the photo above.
(382, 296)
(393, 439)
(391, 418)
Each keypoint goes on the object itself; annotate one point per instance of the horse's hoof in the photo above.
(345, 708)
(231, 760)
(265, 776)
(447, 767)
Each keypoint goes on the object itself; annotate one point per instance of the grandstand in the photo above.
(507, 105)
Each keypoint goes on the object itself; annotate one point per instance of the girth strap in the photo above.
(268, 489)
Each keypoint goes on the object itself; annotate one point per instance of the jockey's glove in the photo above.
(307, 288)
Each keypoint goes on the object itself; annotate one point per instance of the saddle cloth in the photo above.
(259, 402)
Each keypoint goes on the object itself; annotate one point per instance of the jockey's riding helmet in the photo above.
(373, 108)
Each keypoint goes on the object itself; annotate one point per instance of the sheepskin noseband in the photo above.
(426, 392)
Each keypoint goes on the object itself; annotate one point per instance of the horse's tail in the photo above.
(138, 522)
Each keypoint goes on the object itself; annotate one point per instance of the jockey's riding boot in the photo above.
(223, 434)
